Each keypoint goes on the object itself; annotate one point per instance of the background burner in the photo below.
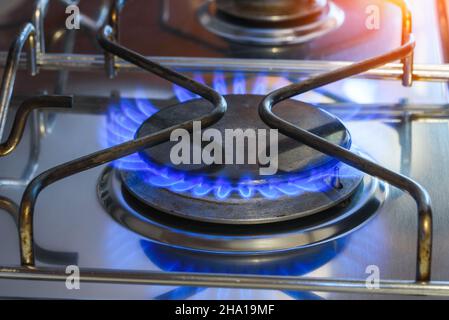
(270, 22)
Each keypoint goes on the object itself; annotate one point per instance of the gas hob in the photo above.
(88, 177)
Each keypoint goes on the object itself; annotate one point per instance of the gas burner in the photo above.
(311, 199)
(306, 181)
(270, 22)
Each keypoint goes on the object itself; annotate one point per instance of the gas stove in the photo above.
(310, 141)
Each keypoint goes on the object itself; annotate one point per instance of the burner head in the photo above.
(307, 181)
(242, 113)
(270, 11)
(270, 22)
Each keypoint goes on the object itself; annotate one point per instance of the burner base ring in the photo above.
(240, 239)
(236, 210)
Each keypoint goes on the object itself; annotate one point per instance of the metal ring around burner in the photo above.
(240, 239)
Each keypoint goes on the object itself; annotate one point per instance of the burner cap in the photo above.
(270, 11)
(308, 182)
(242, 113)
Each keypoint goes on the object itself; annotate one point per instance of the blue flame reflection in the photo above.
(298, 263)
(125, 118)
(170, 259)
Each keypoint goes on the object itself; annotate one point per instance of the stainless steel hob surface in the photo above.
(403, 129)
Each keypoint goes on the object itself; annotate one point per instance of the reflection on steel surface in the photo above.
(12, 63)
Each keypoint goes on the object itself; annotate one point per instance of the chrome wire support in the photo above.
(419, 194)
(407, 34)
(38, 21)
(34, 34)
(95, 24)
(114, 36)
(32, 162)
(44, 255)
(28, 33)
(28, 107)
(40, 13)
(53, 175)
(22, 114)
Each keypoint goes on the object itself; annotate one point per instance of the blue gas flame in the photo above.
(125, 118)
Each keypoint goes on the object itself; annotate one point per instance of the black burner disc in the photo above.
(336, 181)
(242, 113)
